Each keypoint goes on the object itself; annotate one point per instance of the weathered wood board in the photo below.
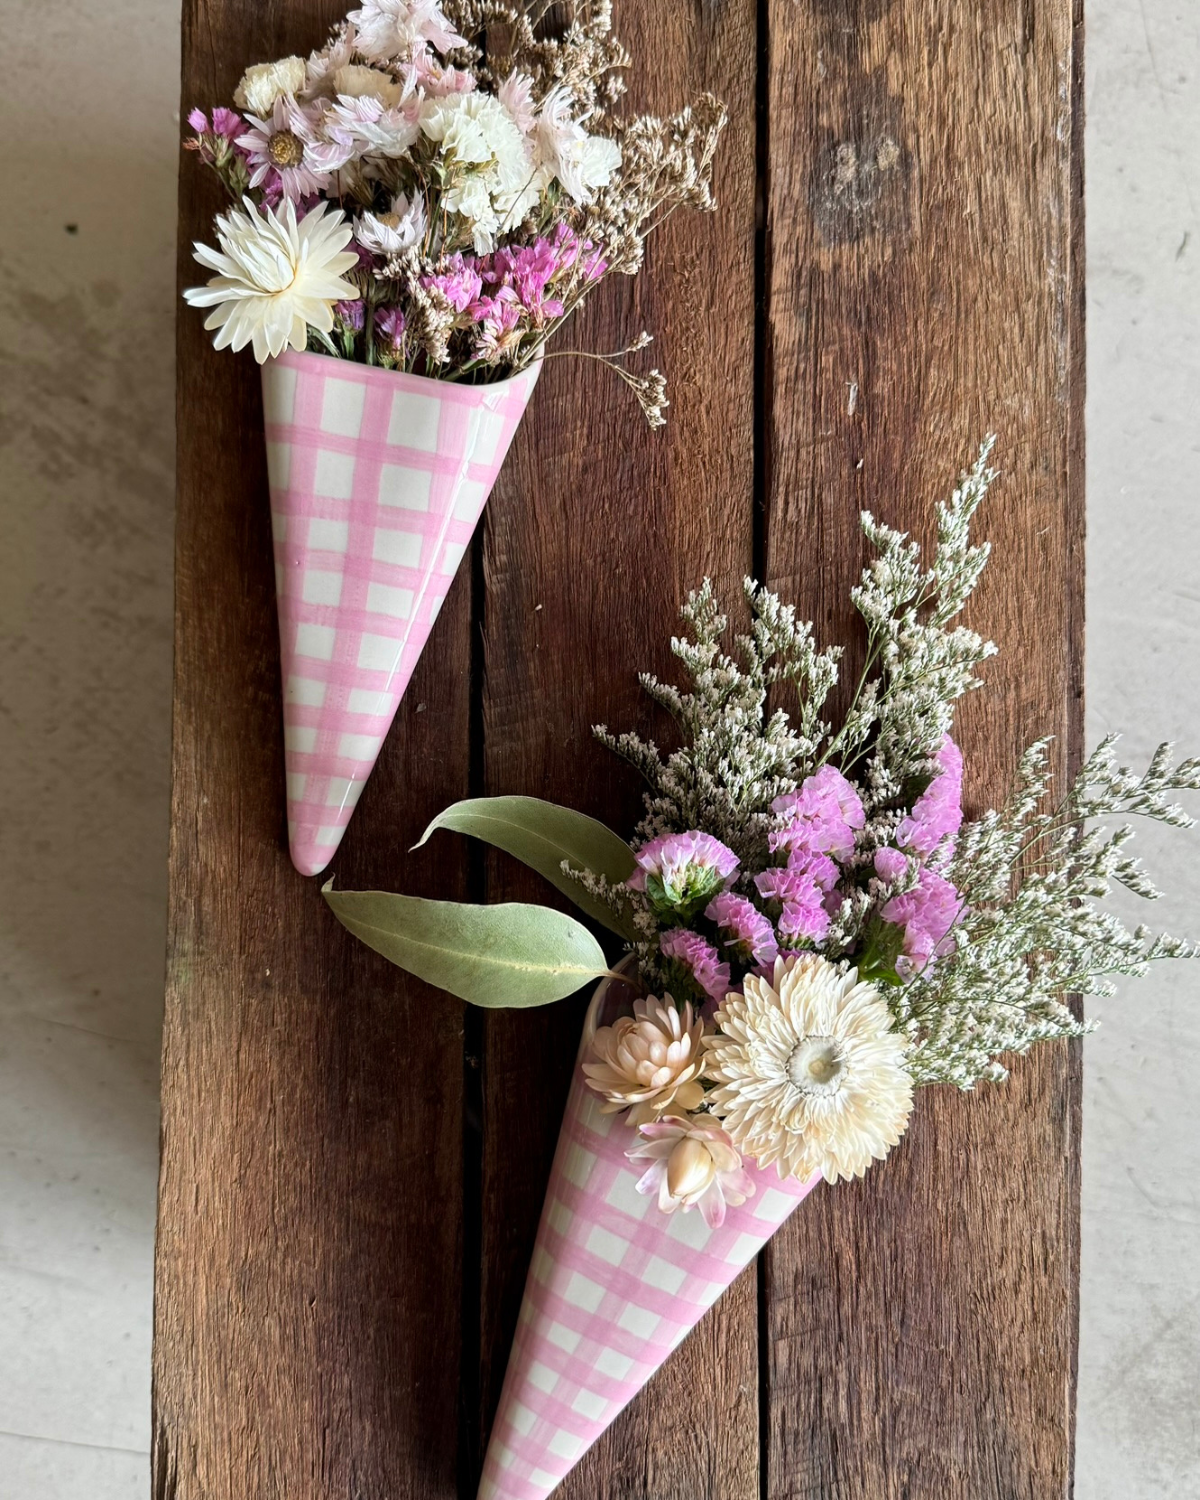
(352, 1170)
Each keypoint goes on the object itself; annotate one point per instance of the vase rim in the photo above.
(355, 370)
(627, 969)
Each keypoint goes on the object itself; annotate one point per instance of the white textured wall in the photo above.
(1139, 1409)
(85, 452)
(86, 498)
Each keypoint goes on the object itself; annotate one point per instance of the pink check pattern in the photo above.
(378, 479)
(614, 1286)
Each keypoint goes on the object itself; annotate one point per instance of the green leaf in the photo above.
(506, 955)
(542, 835)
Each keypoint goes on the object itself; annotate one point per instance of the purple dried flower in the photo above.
(927, 912)
(802, 899)
(937, 813)
(349, 314)
(750, 933)
(227, 122)
(682, 872)
(699, 958)
(821, 814)
(459, 282)
(389, 327)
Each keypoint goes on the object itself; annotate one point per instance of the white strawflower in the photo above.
(276, 277)
(363, 125)
(516, 94)
(396, 231)
(811, 1076)
(581, 162)
(388, 29)
(262, 84)
(324, 64)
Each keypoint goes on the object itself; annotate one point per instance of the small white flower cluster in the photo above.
(737, 756)
(923, 666)
(1019, 951)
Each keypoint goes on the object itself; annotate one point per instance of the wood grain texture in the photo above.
(597, 529)
(339, 1261)
(922, 225)
(307, 1284)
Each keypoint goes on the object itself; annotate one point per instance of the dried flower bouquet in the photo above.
(414, 201)
(813, 931)
(418, 218)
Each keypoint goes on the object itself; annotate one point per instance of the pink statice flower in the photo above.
(284, 152)
(817, 867)
(748, 932)
(682, 872)
(458, 280)
(820, 817)
(927, 913)
(802, 902)
(693, 1164)
(698, 958)
(937, 813)
(569, 248)
(528, 270)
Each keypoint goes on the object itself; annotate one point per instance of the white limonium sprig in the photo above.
(487, 192)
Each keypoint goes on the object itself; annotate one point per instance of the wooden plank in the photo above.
(596, 530)
(921, 167)
(307, 1282)
(925, 287)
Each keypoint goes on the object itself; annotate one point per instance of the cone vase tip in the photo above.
(377, 479)
(614, 1286)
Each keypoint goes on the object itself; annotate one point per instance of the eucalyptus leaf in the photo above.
(509, 955)
(542, 835)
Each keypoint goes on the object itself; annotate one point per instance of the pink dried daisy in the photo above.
(285, 152)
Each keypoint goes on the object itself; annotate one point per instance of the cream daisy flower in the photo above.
(693, 1164)
(810, 1073)
(276, 277)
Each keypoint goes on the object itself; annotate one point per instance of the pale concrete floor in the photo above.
(86, 439)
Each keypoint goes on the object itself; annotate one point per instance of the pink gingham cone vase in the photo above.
(378, 479)
(614, 1286)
